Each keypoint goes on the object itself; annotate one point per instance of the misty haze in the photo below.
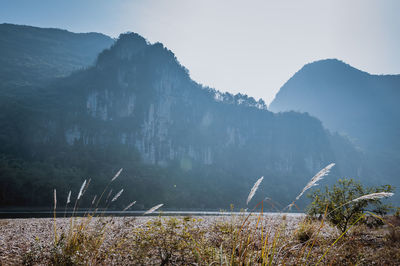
(113, 152)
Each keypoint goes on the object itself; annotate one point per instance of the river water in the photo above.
(37, 213)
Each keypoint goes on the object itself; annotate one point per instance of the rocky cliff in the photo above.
(138, 99)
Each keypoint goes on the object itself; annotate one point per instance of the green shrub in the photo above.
(339, 206)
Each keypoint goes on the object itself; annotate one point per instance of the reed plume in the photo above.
(81, 190)
(116, 175)
(69, 197)
(373, 196)
(129, 206)
(55, 199)
(68, 201)
(254, 189)
(94, 199)
(313, 182)
(117, 195)
(153, 209)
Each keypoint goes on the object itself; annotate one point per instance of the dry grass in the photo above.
(279, 240)
(244, 239)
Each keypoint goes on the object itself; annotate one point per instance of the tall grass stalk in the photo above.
(94, 199)
(67, 202)
(78, 235)
(81, 191)
(54, 211)
(319, 229)
(105, 189)
(313, 182)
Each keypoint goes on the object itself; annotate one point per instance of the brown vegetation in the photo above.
(218, 240)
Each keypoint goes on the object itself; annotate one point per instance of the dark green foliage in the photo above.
(337, 202)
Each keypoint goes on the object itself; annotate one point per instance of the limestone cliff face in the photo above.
(179, 142)
(138, 95)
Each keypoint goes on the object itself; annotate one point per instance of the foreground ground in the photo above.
(208, 240)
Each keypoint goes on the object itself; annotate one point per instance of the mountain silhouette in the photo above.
(362, 106)
(32, 55)
(179, 142)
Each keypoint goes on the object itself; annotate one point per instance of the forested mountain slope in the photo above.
(362, 106)
(32, 55)
(180, 143)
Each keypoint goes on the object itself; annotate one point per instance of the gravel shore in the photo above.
(18, 235)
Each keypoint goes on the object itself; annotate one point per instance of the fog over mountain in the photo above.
(356, 104)
(180, 143)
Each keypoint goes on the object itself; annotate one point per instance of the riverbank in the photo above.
(184, 240)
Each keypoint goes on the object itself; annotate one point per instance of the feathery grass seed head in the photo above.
(313, 182)
(69, 197)
(81, 190)
(254, 189)
(116, 175)
(373, 196)
(316, 178)
(153, 209)
(94, 199)
(129, 206)
(117, 195)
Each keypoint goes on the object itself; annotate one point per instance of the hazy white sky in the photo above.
(237, 46)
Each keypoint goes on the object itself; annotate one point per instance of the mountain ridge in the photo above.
(31, 56)
(137, 108)
(323, 83)
(354, 103)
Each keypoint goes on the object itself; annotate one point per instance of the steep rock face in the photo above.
(138, 95)
(137, 108)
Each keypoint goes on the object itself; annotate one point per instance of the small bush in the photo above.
(338, 202)
(305, 231)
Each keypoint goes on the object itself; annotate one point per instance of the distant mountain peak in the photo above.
(344, 98)
(130, 41)
(127, 45)
(330, 66)
(315, 77)
(130, 46)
